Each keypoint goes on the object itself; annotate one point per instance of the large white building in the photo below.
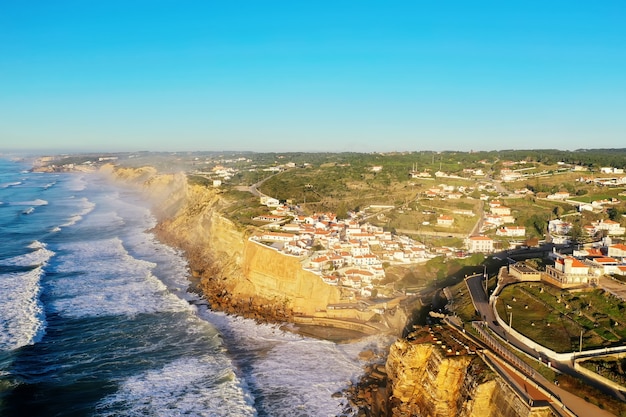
(568, 272)
(479, 243)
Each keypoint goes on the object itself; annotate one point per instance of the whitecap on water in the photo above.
(22, 320)
(85, 208)
(50, 184)
(37, 257)
(37, 202)
(77, 183)
(290, 374)
(101, 279)
(191, 386)
(10, 184)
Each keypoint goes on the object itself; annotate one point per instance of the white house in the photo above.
(612, 228)
(606, 265)
(278, 237)
(479, 243)
(269, 201)
(445, 220)
(617, 251)
(561, 195)
(559, 227)
(511, 231)
(501, 210)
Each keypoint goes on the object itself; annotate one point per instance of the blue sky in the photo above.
(312, 76)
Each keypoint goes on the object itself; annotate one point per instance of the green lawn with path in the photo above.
(555, 318)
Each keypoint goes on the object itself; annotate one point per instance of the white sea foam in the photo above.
(37, 202)
(103, 279)
(50, 184)
(22, 320)
(173, 269)
(10, 184)
(85, 208)
(77, 183)
(192, 386)
(37, 257)
(293, 375)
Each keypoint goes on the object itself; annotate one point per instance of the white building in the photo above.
(479, 243)
(617, 251)
(511, 231)
(559, 227)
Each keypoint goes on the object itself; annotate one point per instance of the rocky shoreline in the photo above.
(214, 289)
(368, 397)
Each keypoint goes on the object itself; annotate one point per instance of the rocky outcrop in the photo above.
(420, 379)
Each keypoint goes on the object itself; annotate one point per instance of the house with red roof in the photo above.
(445, 220)
(569, 272)
(612, 228)
(278, 237)
(617, 251)
(605, 265)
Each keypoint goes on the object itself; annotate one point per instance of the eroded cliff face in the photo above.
(281, 278)
(236, 274)
(424, 381)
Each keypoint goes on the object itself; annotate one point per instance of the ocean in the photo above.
(96, 318)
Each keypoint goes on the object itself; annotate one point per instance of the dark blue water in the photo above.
(96, 319)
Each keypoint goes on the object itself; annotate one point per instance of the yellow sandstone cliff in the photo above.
(426, 382)
(237, 275)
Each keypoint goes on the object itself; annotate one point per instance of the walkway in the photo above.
(613, 286)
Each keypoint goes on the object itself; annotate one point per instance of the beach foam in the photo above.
(199, 387)
(287, 372)
(37, 202)
(85, 207)
(22, 319)
(37, 257)
(103, 279)
(10, 184)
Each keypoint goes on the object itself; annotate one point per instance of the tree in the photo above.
(576, 233)
(614, 214)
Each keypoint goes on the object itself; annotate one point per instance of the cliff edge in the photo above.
(423, 379)
(236, 274)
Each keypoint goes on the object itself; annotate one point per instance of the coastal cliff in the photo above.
(420, 379)
(235, 274)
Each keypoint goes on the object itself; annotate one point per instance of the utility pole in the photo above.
(580, 349)
(486, 280)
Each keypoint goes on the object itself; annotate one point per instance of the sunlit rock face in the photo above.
(236, 274)
(425, 382)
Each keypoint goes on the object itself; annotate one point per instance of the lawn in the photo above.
(555, 318)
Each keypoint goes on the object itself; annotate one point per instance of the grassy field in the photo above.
(556, 319)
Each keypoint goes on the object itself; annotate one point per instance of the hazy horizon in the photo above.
(325, 77)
